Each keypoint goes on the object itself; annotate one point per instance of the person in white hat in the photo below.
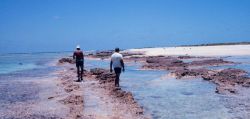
(79, 57)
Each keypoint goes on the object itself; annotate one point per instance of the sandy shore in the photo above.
(223, 50)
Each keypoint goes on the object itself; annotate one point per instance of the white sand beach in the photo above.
(221, 50)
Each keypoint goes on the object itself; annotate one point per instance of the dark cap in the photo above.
(117, 49)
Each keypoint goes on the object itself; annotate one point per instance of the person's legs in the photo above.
(81, 65)
(118, 80)
(78, 75)
(117, 76)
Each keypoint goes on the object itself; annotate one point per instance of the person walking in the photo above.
(79, 58)
(118, 65)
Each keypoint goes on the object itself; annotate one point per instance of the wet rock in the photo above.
(97, 71)
(71, 87)
(67, 60)
(51, 97)
(37, 116)
(135, 58)
(107, 53)
(182, 72)
(126, 54)
(139, 111)
(246, 83)
(227, 79)
(73, 99)
(106, 76)
(103, 74)
(173, 63)
(225, 89)
(186, 57)
(103, 54)
(210, 62)
(162, 62)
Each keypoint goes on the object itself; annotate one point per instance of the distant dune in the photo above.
(225, 49)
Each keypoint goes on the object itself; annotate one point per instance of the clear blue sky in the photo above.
(59, 25)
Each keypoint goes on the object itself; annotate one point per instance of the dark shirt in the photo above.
(78, 55)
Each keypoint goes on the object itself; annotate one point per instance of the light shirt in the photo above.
(116, 60)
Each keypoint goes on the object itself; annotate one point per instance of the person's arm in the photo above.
(123, 67)
(111, 63)
(74, 55)
(83, 59)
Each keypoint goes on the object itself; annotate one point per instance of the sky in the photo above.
(60, 25)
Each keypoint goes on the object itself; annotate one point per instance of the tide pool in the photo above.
(165, 97)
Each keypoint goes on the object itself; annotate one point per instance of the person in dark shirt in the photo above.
(79, 58)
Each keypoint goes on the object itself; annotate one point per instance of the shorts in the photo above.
(118, 70)
(79, 63)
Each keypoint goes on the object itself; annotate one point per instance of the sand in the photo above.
(222, 50)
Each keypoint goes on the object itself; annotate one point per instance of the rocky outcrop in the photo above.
(161, 62)
(129, 54)
(97, 71)
(183, 72)
(227, 79)
(107, 53)
(106, 79)
(210, 62)
(103, 54)
(66, 60)
(73, 100)
(172, 63)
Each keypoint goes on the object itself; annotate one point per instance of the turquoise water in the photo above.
(10, 63)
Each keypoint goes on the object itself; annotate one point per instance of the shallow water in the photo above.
(163, 96)
(167, 97)
(18, 75)
(10, 63)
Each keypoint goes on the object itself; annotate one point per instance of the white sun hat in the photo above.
(78, 46)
